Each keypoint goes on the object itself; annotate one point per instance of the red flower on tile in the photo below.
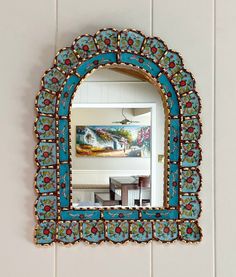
(141, 230)
(189, 230)
(107, 41)
(63, 185)
(188, 104)
(188, 207)
(190, 153)
(46, 232)
(68, 232)
(130, 41)
(171, 64)
(85, 47)
(46, 102)
(47, 208)
(182, 83)
(54, 80)
(189, 180)
(45, 154)
(94, 230)
(166, 230)
(46, 127)
(67, 61)
(46, 179)
(118, 230)
(154, 50)
(190, 129)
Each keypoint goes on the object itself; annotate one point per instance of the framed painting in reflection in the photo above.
(113, 141)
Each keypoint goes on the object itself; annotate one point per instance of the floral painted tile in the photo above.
(120, 214)
(107, 40)
(53, 79)
(46, 180)
(66, 60)
(117, 231)
(154, 48)
(46, 127)
(46, 102)
(190, 231)
(63, 140)
(46, 207)
(64, 172)
(93, 232)
(191, 129)
(190, 207)
(131, 41)
(153, 214)
(191, 154)
(165, 230)
(191, 181)
(183, 81)
(45, 232)
(141, 231)
(171, 96)
(68, 232)
(190, 104)
(46, 153)
(171, 62)
(173, 189)
(174, 140)
(85, 46)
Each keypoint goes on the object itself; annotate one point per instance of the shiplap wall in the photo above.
(31, 33)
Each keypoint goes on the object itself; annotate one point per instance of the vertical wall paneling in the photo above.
(187, 27)
(27, 47)
(225, 138)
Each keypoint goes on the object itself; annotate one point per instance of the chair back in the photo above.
(144, 181)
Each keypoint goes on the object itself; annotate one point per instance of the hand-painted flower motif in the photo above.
(191, 129)
(118, 231)
(141, 231)
(53, 80)
(45, 127)
(66, 60)
(166, 230)
(190, 207)
(191, 154)
(46, 207)
(131, 40)
(45, 232)
(191, 181)
(183, 82)
(93, 231)
(46, 180)
(107, 40)
(85, 46)
(190, 231)
(46, 102)
(68, 232)
(171, 62)
(154, 48)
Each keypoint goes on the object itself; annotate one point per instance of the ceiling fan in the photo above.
(125, 121)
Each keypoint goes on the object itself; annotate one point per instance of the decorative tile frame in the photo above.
(128, 49)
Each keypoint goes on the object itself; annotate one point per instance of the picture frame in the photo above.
(131, 51)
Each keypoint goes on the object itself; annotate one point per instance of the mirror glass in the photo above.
(117, 143)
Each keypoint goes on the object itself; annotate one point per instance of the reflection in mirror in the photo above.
(117, 145)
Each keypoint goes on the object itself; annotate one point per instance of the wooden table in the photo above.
(124, 184)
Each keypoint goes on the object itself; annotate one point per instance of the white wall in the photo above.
(30, 33)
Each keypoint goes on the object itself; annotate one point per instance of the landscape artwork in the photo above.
(113, 141)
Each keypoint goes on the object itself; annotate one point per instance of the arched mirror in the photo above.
(117, 144)
(117, 161)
